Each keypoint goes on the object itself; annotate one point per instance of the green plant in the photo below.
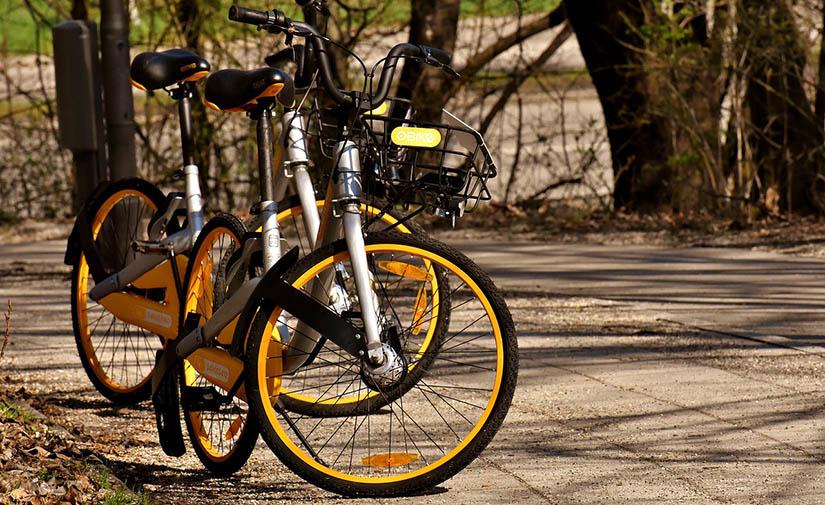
(46, 475)
(118, 497)
(121, 495)
(101, 478)
(15, 413)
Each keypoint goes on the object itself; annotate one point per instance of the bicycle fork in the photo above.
(342, 212)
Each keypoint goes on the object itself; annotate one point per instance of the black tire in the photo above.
(442, 419)
(225, 437)
(118, 357)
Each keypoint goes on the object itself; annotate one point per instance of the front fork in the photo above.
(348, 191)
(346, 196)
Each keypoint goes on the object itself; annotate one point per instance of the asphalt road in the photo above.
(648, 375)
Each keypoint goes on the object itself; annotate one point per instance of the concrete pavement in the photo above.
(621, 399)
(737, 291)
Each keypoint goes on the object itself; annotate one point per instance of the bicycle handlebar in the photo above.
(276, 21)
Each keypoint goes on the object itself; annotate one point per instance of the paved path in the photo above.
(738, 291)
(621, 398)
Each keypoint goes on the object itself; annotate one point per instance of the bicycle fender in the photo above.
(73, 245)
(165, 361)
(273, 291)
(81, 240)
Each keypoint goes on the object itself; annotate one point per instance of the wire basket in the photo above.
(444, 166)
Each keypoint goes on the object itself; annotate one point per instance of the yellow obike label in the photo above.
(415, 137)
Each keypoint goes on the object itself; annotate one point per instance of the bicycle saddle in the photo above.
(151, 71)
(237, 90)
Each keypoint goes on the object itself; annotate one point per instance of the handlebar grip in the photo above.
(255, 17)
(245, 15)
(443, 57)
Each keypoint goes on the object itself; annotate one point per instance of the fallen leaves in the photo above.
(39, 467)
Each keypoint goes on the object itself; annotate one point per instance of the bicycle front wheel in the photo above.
(408, 430)
(118, 357)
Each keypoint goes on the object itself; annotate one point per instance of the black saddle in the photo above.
(234, 89)
(152, 71)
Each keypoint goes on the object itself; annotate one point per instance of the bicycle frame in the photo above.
(159, 263)
(341, 212)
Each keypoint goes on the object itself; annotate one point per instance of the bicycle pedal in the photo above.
(150, 247)
(201, 399)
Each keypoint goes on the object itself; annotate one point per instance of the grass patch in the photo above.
(474, 8)
(23, 30)
(102, 478)
(117, 494)
(123, 496)
(15, 413)
(563, 79)
(45, 475)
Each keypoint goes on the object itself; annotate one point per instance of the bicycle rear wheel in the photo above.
(405, 431)
(293, 230)
(223, 433)
(118, 357)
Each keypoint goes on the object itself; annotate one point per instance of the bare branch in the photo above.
(518, 79)
(520, 34)
(8, 330)
(549, 187)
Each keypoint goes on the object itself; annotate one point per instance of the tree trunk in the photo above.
(191, 20)
(434, 27)
(639, 145)
(80, 10)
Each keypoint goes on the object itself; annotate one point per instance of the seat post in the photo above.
(194, 203)
(263, 115)
(270, 232)
(187, 137)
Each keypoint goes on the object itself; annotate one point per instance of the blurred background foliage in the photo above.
(695, 106)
